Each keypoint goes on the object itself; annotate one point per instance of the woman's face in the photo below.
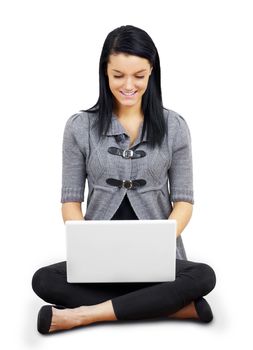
(128, 74)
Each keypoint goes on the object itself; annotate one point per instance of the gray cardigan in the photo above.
(167, 170)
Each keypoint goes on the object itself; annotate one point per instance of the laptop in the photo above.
(120, 250)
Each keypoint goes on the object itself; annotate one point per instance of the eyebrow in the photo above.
(142, 70)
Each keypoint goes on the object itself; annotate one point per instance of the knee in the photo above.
(39, 282)
(208, 278)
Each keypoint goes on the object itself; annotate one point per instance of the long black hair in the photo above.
(134, 41)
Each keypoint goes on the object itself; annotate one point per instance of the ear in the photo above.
(151, 70)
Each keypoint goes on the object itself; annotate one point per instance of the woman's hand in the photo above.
(182, 212)
(72, 211)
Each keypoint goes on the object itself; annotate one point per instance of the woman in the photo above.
(128, 135)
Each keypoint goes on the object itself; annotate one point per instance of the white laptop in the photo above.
(120, 250)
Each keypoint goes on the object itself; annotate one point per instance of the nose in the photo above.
(129, 86)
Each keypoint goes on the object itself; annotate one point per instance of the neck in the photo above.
(128, 113)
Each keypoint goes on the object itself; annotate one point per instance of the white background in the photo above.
(49, 70)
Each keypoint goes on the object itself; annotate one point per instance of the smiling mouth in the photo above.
(125, 94)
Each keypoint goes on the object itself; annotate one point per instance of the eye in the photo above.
(116, 76)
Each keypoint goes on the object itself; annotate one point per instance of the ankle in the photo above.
(101, 312)
(188, 311)
(86, 314)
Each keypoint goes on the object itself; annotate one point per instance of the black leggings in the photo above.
(130, 300)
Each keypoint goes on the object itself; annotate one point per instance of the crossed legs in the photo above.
(93, 302)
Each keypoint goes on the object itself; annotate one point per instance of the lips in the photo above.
(128, 94)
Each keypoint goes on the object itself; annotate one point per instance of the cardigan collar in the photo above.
(116, 128)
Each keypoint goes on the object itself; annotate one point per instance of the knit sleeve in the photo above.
(73, 161)
(180, 172)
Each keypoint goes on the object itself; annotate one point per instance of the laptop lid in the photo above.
(120, 250)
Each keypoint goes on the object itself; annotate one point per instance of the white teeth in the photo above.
(128, 94)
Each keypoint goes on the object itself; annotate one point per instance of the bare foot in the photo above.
(189, 311)
(70, 318)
